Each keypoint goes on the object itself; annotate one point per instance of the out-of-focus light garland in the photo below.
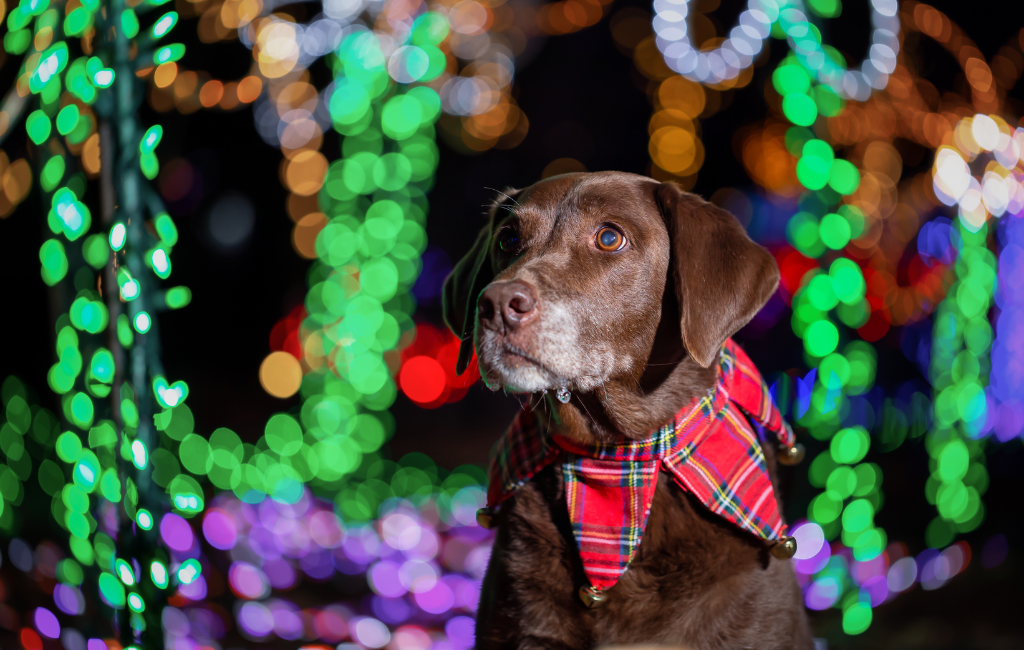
(726, 61)
(980, 139)
(1006, 387)
(175, 87)
(353, 343)
(101, 490)
(476, 63)
(336, 348)
(839, 263)
(368, 252)
(292, 114)
(961, 344)
(780, 18)
(568, 16)
(420, 563)
(422, 560)
(411, 574)
(963, 338)
(675, 146)
(826, 221)
(15, 182)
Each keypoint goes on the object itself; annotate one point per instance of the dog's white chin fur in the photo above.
(553, 340)
(525, 379)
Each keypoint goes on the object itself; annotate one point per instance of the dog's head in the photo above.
(566, 283)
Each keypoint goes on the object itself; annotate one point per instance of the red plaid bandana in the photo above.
(711, 449)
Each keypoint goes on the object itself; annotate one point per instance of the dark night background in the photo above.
(585, 100)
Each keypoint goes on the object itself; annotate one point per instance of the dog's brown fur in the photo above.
(696, 579)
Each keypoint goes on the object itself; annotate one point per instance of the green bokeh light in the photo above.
(821, 338)
(799, 109)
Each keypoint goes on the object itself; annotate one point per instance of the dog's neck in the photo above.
(635, 406)
(620, 410)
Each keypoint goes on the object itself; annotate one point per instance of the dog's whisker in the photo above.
(580, 400)
(522, 405)
(503, 194)
(488, 207)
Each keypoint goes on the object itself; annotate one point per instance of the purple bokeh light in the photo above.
(287, 619)
(822, 593)
(219, 529)
(47, 623)
(176, 532)
(195, 590)
(384, 579)
(864, 570)
(816, 563)
(370, 632)
(317, 564)
(437, 600)
(422, 563)
(809, 540)
(325, 529)
(1006, 379)
(391, 610)
(902, 574)
(247, 581)
(68, 599)
(279, 573)
(255, 620)
(461, 631)
(875, 590)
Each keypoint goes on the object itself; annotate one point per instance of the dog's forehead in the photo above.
(615, 194)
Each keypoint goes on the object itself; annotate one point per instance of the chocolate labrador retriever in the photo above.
(610, 298)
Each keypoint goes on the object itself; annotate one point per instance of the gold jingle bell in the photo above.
(791, 455)
(593, 597)
(485, 517)
(785, 548)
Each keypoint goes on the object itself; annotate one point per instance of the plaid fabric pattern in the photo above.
(710, 449)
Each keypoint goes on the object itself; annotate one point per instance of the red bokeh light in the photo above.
(793, 266)
(30, 640)
(422, 379)
(430, 386)
(285, 333)
(447, 356)
(878, 323)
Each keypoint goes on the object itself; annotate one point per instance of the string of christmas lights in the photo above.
(366, 259)
(102, 494)
(856, 272)
(398, 71)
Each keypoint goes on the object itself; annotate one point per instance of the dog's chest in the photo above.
(695, 580)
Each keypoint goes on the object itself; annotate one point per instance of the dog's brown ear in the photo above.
(722, 278)
(463, 285)
(459, 295)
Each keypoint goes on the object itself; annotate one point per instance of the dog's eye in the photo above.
(610, 239)
(508, 241)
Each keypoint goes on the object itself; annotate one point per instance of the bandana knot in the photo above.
(710, 449)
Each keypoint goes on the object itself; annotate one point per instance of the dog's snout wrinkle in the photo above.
(506, 306)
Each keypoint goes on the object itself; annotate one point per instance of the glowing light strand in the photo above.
(114, 465)
(1006, 384)
(756, 24)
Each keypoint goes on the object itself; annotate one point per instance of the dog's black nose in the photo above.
(507, 305)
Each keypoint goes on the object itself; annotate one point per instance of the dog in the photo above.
(610, 299)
